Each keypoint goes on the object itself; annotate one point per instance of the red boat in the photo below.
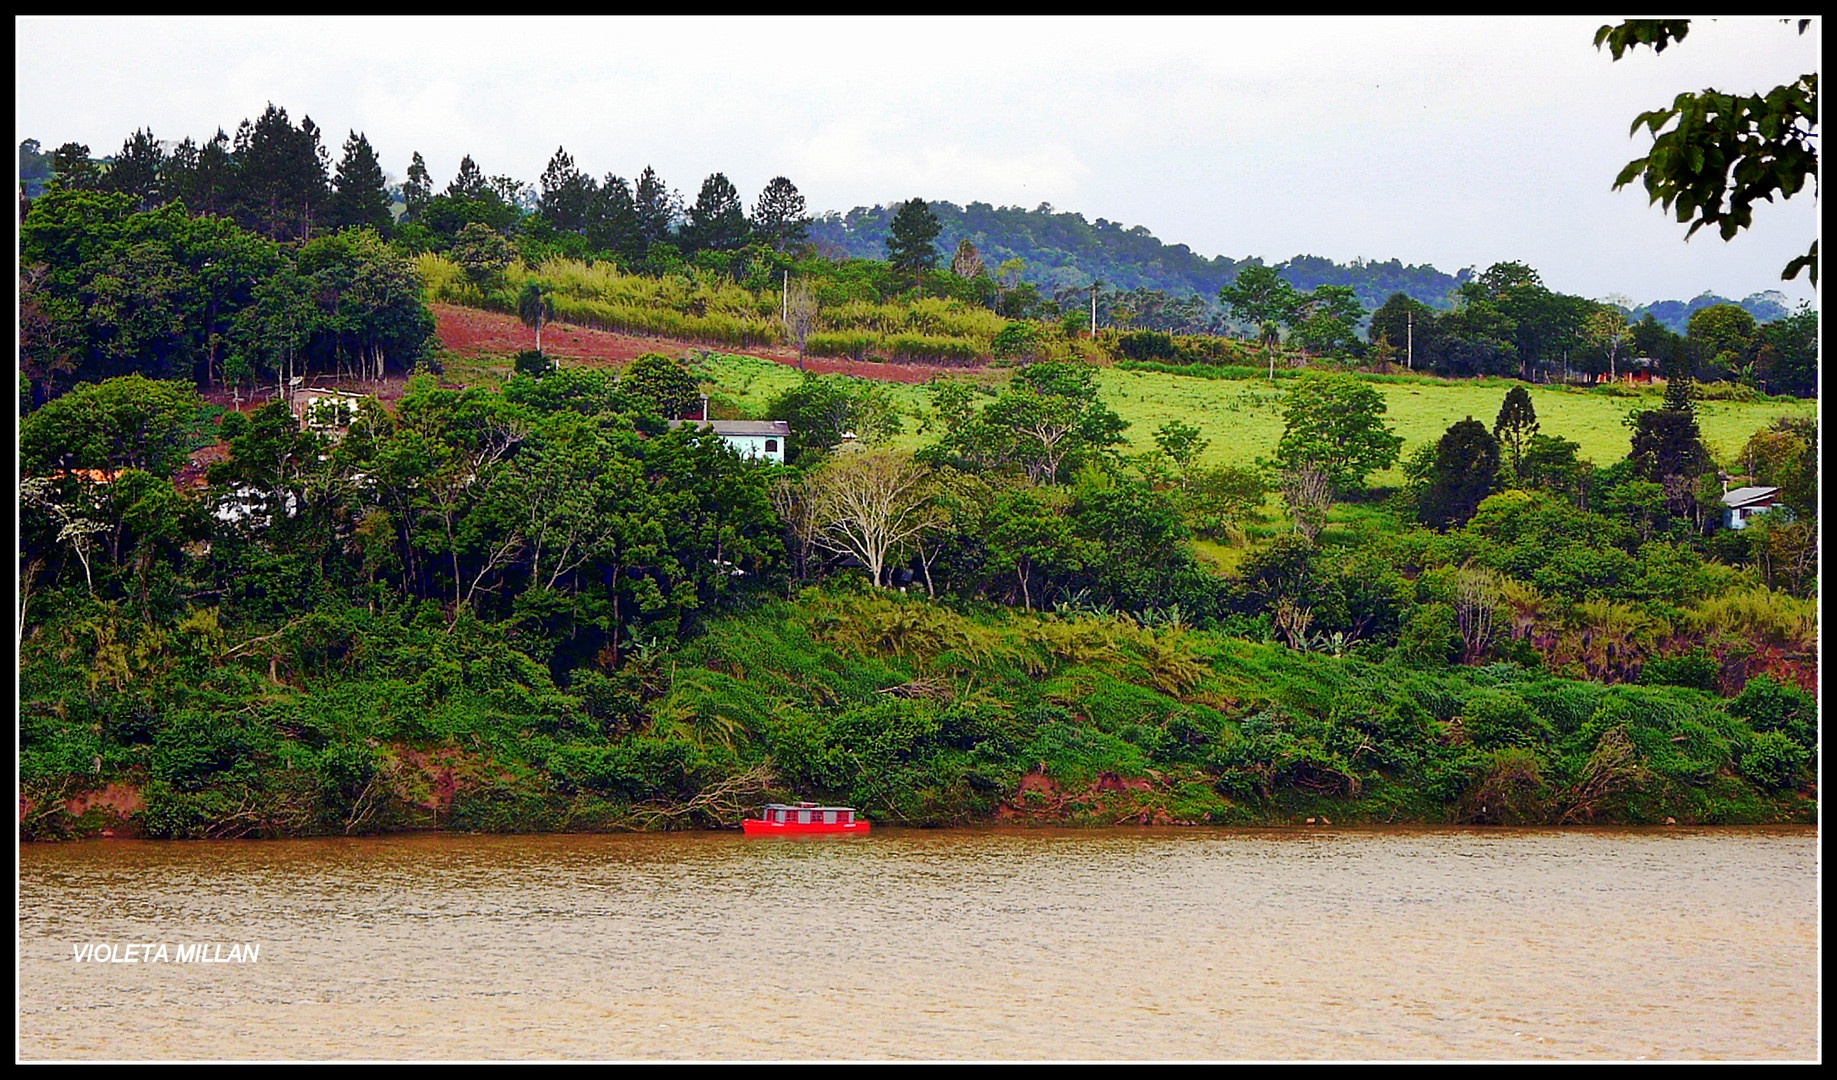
(779, 819)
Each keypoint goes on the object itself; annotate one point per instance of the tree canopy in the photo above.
(1715, 154)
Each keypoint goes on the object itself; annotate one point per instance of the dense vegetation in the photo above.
(1019, 593)
(636, 255)
(538, 608)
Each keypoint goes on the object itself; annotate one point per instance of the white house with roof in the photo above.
(759, 440)
(1745, 502)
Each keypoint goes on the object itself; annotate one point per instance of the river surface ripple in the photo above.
(978, 944)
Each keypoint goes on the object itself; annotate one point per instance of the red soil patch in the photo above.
(477, 334)
(120, 802)
(474, 333)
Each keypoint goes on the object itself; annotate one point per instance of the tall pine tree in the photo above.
(1466, 470)
(566, 197)
(418, 188)
(910, 238)
(136, 170)
(359, 197)
(779, 217)
(656, 209)
(281, 187)
(1516, 423)
(612, 220)
(469, 183)
(717, 221)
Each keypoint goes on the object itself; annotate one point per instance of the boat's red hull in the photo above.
(755, 827)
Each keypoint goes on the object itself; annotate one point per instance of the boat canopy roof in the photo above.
(805, 806)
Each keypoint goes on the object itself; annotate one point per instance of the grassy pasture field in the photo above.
(1243, 418)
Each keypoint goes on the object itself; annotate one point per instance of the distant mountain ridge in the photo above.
(1061, 250)
(1675, 314)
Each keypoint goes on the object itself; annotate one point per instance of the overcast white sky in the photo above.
(1454, 142)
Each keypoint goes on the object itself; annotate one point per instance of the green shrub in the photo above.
(1774, 761)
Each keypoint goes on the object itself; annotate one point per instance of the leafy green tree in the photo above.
(127, 423)
(780, 218)
(1019, 341)
(1786, 360)
(1722, 338)
(1335, 423)
(372, 311)
(1223, 500)
(483, 254)
(1554, 464)
(1030, 538)
(1516, 425)
(358, 196)
(1261, 296)
(1477, 338)
(1465, 472)
(612, 219)
(911, 236)
(1715, 154)
(657, 385)
(1180, 443)
(1325, 319)
(1785, 455)
(1049, 422)
(271, 333)
(202, 177)
(268, 453)
(821, 409)
(34, 168)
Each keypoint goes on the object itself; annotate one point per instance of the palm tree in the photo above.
(535, 308)
(1271, 337)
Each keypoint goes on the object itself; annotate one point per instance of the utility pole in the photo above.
(1409, 337)
(784, 300)
(1094, 284)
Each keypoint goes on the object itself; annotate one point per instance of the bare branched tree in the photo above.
(792, 498)
(870, 503)
(1292, 622)
(800, 318)
(1476, 601)
(1309, 493)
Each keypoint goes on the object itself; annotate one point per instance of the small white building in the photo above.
(1745, 502)
(328, 412)
(760, 440)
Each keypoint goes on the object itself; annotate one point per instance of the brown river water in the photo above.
(1139, 944)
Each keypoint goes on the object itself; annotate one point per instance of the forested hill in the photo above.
(1674, 315)
(1061, 251)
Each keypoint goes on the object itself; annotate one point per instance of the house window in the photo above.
(771, 446)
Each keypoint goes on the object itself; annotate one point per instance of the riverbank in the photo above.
(913, 712)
